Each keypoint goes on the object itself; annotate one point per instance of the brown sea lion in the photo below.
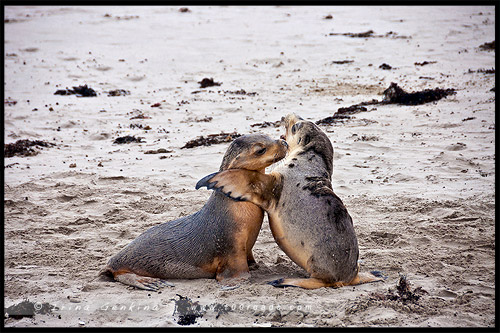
(213, 242)
(307, 219)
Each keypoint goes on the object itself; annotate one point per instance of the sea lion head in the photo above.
(253, 152)
(303, 136)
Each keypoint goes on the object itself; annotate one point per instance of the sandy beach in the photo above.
(418, 180)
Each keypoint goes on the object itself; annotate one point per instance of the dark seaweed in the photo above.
(482, 70)
(80, 91)
(341, 62)
(118, 92)
(10, 102)
(127, 139)
(369, 34)
(356, 108)
(23, 147)
(332, 119)
(267, 124)
(211, 139)
(140, 116)
(344, 113)
(206, 82)
(404, 293)
(392, 95)
(488, 46)
(240, 92)
(396, 95)
(159, 151)
(365, 34)
(425, 63)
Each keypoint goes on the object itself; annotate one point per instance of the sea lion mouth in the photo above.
(281, 152)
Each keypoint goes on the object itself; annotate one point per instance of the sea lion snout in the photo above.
(282, 149)
(254, 152)
(288, 122)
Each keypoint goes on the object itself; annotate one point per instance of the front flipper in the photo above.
(244, 185)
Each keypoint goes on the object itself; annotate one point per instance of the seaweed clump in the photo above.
(80, 91)
(404, 293)
(396, 95)
(211, 139)
(392, 95)
(487, 46)
(345, 112)
(24, 147)
(127, 139)
(267, 124)
(118, 92)
(206, 82)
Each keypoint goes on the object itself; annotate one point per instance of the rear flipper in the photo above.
(373, 276)
(143, 282)
(307, 283)
(314, 283)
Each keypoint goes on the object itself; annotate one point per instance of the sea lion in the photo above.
(213, 242)
(307, 219)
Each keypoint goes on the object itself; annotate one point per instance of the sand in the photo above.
(418, 180)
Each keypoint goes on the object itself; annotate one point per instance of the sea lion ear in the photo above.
(239, 185)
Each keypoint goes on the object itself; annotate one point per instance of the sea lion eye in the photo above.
(296, 127)
(261, 151)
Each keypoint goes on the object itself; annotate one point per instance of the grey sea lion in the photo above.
(213, 242)
(308, 220)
